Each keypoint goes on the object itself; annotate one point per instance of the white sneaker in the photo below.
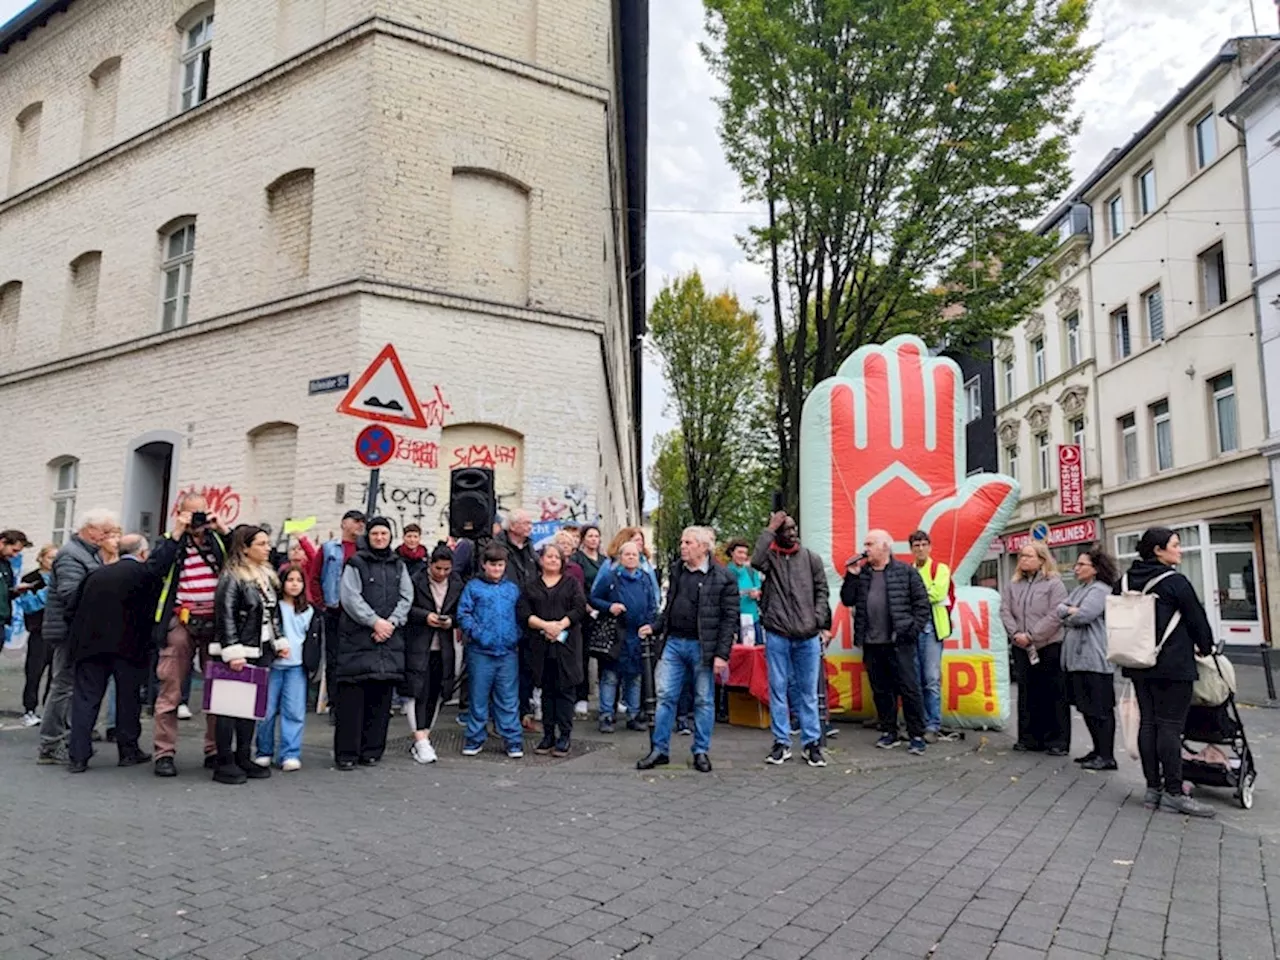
(184, 712)
(31, 719)
(423, 752)
(262, 761)
(580, 708)
(290, 765)
(471, 751)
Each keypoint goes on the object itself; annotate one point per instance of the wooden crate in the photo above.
(746, 711)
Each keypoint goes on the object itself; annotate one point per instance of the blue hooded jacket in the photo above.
(487, 612)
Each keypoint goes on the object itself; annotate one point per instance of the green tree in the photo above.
(899, 148)
(712, 468)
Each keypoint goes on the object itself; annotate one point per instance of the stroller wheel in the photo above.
(1246, 789)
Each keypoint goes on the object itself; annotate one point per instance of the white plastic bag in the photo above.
(1130, 717)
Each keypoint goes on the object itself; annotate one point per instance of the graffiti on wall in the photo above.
(424, 454)
(402, 505)
(434, 410)
(484, 455)
(224, 503)
(569, 505)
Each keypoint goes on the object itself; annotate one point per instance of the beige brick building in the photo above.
(205, 207)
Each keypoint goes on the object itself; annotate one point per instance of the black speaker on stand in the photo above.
(472, 504)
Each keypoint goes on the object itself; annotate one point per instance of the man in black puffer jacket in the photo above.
(697, 626)
(890, 608)
(377, 594)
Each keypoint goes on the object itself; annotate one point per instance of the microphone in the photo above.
(855, 560)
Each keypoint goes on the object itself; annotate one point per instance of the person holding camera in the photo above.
(189, 560)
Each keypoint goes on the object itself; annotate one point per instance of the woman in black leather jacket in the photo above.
(247, 632)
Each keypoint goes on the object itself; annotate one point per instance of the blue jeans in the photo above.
(682, 658)
(929, 663)
(793, 680)
(610, 683)
(286, 699)
(496, 678)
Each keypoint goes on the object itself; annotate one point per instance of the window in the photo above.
(179, 259)
(65, 479)
(1191, 566)
(1011, 461)
(1121, 344)
(24, 159)
(1153, 305)
(1076, 428)
(1146, 184)
(197, 46)
(1223, 391)
(1128, 447)
(1206, 140)
(1115, 216)
(1037, 361)
(1162, 428)
(1213, 278)
(1072, 329)
(972, 400)
(1007, 369)
(1043, 475)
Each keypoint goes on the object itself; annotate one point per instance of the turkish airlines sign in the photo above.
(1063, 535)
(1070, 480)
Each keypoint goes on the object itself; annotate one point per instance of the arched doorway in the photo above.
(150, 481)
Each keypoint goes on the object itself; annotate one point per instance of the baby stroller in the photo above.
(1215, 750)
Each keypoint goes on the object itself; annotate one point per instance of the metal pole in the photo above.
(1266, 670)
(648, 693)
(371, 507)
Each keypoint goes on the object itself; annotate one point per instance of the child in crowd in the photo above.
(287, 689)
(487, 613)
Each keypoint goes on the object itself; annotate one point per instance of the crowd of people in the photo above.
(111, 615)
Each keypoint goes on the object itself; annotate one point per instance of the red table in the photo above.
(748, 668)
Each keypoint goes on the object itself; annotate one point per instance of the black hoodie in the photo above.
(1177, 656)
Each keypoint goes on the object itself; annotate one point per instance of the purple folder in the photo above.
(231, 694)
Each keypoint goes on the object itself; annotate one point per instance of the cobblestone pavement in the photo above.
(968, 854)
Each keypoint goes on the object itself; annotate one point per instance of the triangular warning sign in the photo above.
(383, 394)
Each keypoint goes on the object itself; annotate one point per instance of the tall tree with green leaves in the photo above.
(712, 468)
(900, 148)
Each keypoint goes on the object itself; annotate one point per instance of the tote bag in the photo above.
(1131, 626)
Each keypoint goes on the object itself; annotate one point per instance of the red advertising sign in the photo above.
(1070, 480)
(1064, 535)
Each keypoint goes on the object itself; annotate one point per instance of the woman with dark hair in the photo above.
(590, 559)
(552, 608)
(376, 597)
(428, 668)
(1090, 678)
(1164, 691)
(247, 632)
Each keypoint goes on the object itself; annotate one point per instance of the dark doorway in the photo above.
(147, 494)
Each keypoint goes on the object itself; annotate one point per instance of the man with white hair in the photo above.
(76, 559)
(696, 630)
(890, 609)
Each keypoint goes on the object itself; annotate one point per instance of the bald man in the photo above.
(890, 609)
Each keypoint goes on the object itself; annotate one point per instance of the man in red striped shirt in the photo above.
(189, 558)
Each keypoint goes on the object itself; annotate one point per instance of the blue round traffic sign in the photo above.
(375, 445)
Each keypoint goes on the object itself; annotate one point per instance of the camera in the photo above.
(199, 519)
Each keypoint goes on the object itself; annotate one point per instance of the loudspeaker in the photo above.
(472, 505)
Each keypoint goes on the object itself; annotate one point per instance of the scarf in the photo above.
(785, 551)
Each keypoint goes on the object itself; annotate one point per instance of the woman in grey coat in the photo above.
(1090, 682)
(1029, 611)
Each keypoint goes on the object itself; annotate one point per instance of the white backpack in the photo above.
(1131, 626)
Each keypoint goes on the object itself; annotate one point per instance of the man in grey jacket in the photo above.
(76, 559)
(796, 615)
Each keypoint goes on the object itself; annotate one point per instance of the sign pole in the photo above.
(371, 507)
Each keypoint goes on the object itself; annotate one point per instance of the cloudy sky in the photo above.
(1149, 48)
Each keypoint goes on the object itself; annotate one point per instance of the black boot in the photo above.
(226, 770)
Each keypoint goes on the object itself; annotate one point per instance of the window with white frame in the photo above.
(1009, 383)
(1128, 447)
(1071, 330)
(1146, 184)
(1213, 278)
(972, 400)
(1222, 390)
(1153, 307)
(1121, 342)
(1038, 369)
(1162, 431)
(175, 271)
(1076, 428)
(197, 48)
(1011, 460)
(1205, 135)
(1191, 566)
(66, 477)
(1043, 467)
(1115, 216)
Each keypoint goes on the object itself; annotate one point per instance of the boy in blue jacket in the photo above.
(487, 615)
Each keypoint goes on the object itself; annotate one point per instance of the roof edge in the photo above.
(28, 19)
